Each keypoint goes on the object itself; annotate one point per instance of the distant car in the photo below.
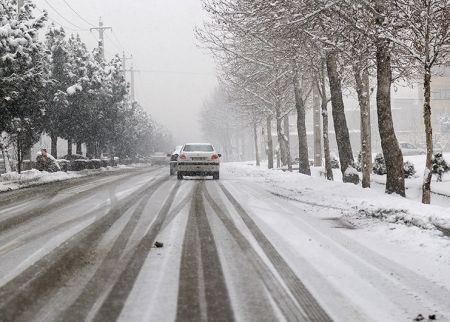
(159, 158)
(437, 147)
(411, 149)
(107, 156)
(74, 157)
(174, 160)
(198, 159)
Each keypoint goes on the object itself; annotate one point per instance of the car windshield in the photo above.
(198, 148)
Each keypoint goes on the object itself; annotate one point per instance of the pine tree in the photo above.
(23, 75)
(57, 90)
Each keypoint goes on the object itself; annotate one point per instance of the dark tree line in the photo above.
(58, 87)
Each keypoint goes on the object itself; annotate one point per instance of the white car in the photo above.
(410, 149)
(198, 159)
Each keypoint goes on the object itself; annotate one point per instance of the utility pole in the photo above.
(132, 82)
(101, 32)
(132, 71)
(124, 63)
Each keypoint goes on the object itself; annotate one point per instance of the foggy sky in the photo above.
(176, 76)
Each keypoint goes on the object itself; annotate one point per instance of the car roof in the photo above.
(203, 143)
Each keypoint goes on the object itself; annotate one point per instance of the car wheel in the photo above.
(216, 176)
(179, 176)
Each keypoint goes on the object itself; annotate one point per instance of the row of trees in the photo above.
(283, 55)
(57, 86)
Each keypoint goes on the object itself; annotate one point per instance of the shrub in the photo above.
(379, 165)
(64, 165)
(409, 169)
(96, 163)
(334, 163)
(351, 175)
(440, 166)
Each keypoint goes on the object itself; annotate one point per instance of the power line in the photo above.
(79, 16)
(117, 39)
(120, 48)
(116, 42)
(59, 14)
(60, 24)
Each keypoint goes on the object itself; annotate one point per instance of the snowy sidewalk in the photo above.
(355, 204)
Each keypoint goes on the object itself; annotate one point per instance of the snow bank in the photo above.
(358, 206)
(13, 180)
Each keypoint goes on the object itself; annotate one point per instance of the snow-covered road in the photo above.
(238, 249)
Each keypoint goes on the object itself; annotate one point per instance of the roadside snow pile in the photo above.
(13, 180)
(393, 216)
(358, 206)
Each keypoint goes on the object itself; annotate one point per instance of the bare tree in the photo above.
(425, 38)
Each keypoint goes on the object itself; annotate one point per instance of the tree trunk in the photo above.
(340, 122)
(282, 141)
(97, 150)
(326, 141)
(286, 127)
(324, 109)
(69, 147)
(426, 186)
(89, 150)
(303, 164)
(54, 145)
(281, 145)
(317, 128)
(255, 136)
(19, 155)
(269, 143)
(395, 181)
(362, 89)
(5, 155)
(79, 148)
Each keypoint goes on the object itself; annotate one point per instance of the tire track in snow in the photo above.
(45, 207)
(305, 299)
(108, 270)
(21, 241)
(114, 302)
(32, 286)
(56, 186)
(203, 294)
(284, 300)
(402, 285)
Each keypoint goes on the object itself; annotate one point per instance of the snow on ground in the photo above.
(392, 267)
(13, 180)
(413, 185)
(356, 205)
